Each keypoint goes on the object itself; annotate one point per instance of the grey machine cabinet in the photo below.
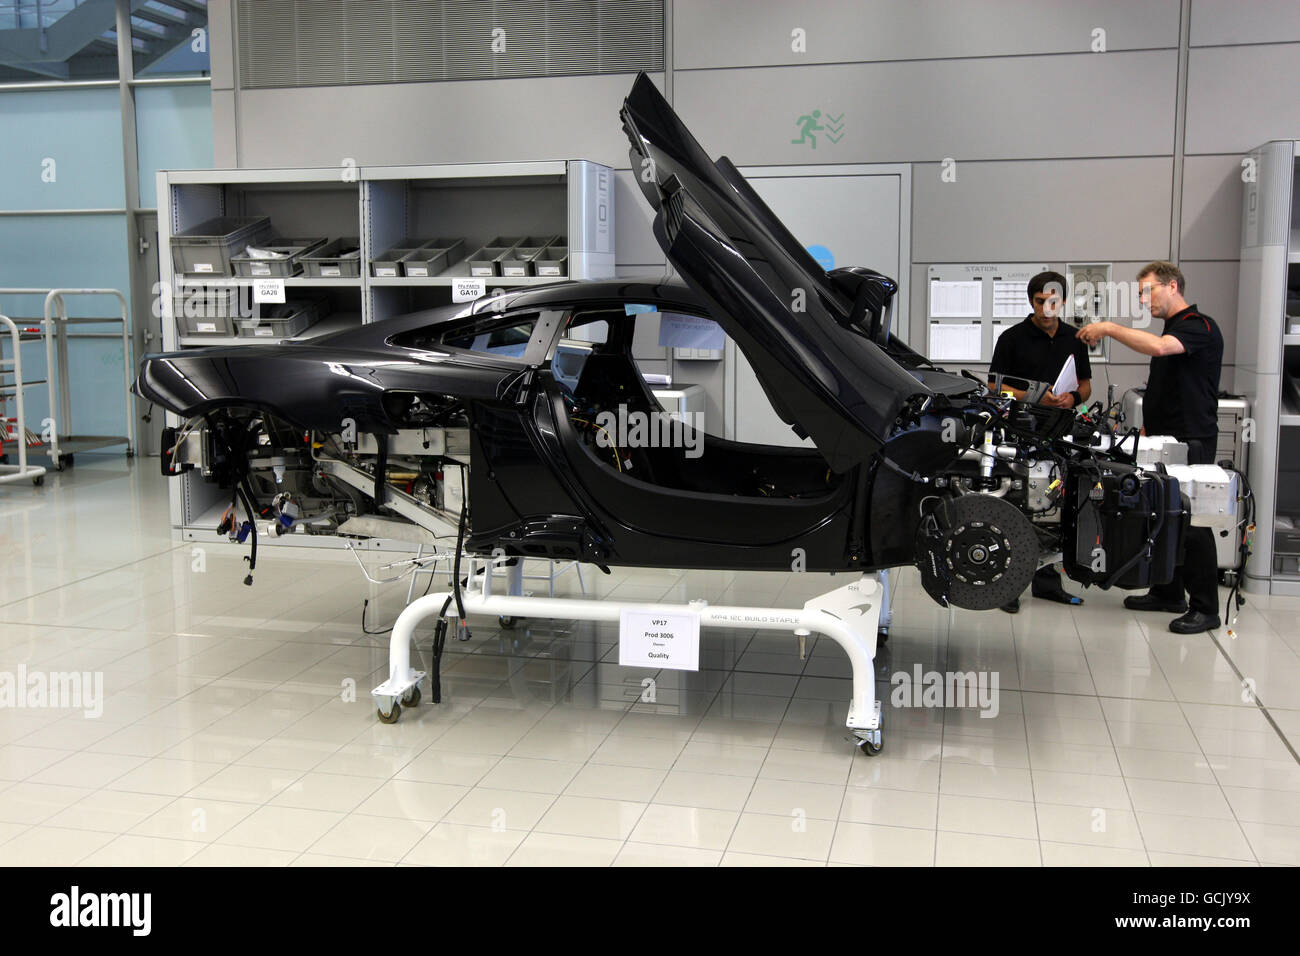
(379, 205)
(1268, 361)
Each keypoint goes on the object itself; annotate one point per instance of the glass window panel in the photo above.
(62, 149)
(170, 40)
(173, 131)
(70, 252)
(49, 252)
(57, 40)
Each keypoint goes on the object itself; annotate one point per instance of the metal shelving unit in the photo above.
(307, 282)
(381, 205)
(337, 322)
(1268, 361)
(449, 278)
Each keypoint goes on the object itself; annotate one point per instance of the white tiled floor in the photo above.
(227, 737)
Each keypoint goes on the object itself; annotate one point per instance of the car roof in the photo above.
(638, 289)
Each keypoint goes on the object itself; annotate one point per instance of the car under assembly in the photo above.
(497, 403)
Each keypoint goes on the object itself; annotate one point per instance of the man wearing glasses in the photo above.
(1182, 399)
(1036, 350)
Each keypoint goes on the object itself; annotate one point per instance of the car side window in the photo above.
(497, 335)
(588, 328)
(509, 339)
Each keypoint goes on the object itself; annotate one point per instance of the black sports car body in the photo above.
(493, 414)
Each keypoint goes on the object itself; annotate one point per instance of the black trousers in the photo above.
(1198, 575)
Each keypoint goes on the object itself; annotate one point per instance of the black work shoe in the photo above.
(1012, 606)
(1194, 622)
(1149, 602)
(1060, 596)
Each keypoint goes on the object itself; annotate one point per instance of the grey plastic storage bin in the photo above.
(486, 261)
(283, 320)
(553, 261)
(520, 261)
(434, 258)
(340, 258)
(206, 249)
(219, 326)
(291, 249)
(207, 310)
(390, 263)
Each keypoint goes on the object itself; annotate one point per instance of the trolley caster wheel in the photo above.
(59, 465)
(38, 480)
(412, 697)
(508, 623)
(130, 453)
(870, 749)
(394, 712)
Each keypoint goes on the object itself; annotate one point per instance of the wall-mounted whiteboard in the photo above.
(970, 305)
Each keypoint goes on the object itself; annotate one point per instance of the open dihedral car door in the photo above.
(827, 380)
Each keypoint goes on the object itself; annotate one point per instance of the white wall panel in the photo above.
(1241, 96)
(565, 117)
(1046, 210)
(713, 33)
(1212, 197)
(1231, 21)
(1016, 107)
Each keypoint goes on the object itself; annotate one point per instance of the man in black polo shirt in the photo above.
(1182, 399)
(1036, 350)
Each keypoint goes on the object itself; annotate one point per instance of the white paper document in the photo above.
(1068, 380)
(1009, 300)
(660, 639)
(998, 329)
(955, 341)
(467, 290)
(956, 300)
(268, 290)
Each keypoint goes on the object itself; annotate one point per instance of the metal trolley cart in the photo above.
(64, 446)
(13, 367)
(62, 441)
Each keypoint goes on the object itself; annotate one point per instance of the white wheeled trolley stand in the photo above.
(62, 444)
(14, 367)
(515, 574)
(849, 615)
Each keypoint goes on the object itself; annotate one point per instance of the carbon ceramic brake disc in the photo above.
(982, 554)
